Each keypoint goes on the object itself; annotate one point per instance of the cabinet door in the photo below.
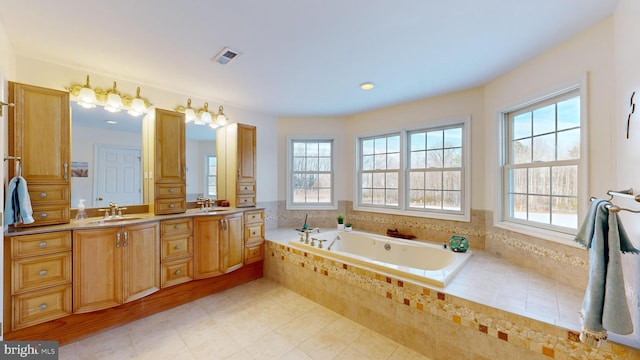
(170, 165)
(141, 261)
(232, 242)
(246, 152)
(207, 249)
(40, 133)
(97, 269)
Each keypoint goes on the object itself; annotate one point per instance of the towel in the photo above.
(17, 208)
(605, 303)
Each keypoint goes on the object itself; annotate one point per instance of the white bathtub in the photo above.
(409, 259)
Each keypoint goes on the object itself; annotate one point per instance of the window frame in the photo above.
(290, 204)
(549, 232)
(207, 175)
(403, 194)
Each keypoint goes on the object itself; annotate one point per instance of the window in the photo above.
(311, 174)
(542, 163)
(380, 176)
(211, 176)
(421, 172)
(435, 169)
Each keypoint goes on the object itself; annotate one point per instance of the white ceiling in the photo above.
(298, 57)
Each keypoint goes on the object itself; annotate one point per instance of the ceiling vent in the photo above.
(225, 56)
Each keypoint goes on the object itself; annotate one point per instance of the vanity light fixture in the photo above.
(205, 115)
(138, 105)
(221, 118)
(114, 101)
(86, 96)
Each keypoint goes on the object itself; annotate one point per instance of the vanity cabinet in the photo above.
(218, 245)
(37, 278)
(176, 255)
(39, 133)
(236, 170)
(169, 162)
(254, 236)
(115, 265)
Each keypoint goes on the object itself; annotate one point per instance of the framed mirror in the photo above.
(106, 152)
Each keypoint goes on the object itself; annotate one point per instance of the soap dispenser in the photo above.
(81, 214)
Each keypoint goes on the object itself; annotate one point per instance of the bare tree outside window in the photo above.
(542, 167)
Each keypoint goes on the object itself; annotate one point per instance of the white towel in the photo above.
(17, 208)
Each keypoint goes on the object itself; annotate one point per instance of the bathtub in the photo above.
(409, 259)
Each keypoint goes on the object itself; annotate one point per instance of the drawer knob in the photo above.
(42, 307)
(177, 227)
(254, 233)
(255, 252)
(171, 206)
(253, 217)
(171, 190)
(43, 195)
(43, 272)
(245, 200)
(43, 215)
(177, 247)
(42, 244)
(246, 188)
(178, 272)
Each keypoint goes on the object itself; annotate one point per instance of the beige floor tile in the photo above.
(295, 354)
(374, 345)
(323, 346)
(157, 341)
(270, 346)
(246, 330)
(198, 332)
(351, 353)
(403, 353)
(241, 354)
(344, 329)
(220, 345)
(69, 351)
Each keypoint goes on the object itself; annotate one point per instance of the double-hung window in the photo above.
(541, 174)
(421, 172)
(211, 176)
(311, 174)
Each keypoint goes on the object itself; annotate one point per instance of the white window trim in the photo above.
(289, 203)
(500, 205)
(464, 216)
(206, 174)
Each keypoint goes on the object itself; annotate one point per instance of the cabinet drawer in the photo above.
(41, 306)
(176, 272)
(50, 214)
(246, 200)
(254, 217)
(43, 194)
(40, 272)
(170, 191)
(246, 188)
(253, 233)
(40, 244)
(253, 253)
(171, 206)
(176, 248)
(176, 227)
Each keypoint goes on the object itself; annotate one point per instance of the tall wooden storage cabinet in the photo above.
(236, 170)
(170, 168)
(40, 134)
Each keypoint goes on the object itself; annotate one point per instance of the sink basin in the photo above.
(214, 210)
(112, 220)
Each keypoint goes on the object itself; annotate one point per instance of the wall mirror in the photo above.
(106, 154)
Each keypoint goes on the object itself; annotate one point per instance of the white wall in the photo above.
(627, 76)
(590, 52)
(197, 152)
(40, 73)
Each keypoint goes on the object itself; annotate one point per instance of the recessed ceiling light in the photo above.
(367, 86)
(112, 122)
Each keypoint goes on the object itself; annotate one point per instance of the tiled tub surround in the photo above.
(491, 310)
(562, 263)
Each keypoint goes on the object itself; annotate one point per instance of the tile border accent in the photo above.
(545, 339)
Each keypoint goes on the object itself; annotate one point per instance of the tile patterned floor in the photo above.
(258, 320)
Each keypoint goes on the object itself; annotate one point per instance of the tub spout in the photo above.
(333, 242)
(307, 232)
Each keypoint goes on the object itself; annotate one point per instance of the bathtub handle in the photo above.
(320, 243)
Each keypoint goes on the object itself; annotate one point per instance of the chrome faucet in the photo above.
(205, 203)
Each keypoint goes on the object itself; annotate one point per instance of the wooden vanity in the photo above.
(65, 280)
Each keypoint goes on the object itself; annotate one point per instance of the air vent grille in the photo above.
(225, 56)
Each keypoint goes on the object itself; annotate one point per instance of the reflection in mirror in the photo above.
(106, 157)
(201, 162)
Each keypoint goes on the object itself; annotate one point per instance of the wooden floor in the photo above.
(78, 326)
